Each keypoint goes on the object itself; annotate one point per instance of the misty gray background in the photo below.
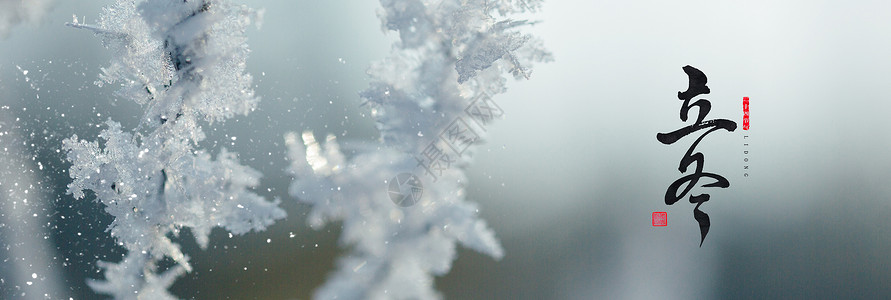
(568, 179)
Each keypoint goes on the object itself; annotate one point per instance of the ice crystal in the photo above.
(184, 61)
(449, 53)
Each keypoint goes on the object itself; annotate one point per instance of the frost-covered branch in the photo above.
(450, 54)
(184, 61)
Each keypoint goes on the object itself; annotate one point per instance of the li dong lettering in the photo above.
(697, 86)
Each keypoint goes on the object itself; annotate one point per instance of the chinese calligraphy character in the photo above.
(697, 86)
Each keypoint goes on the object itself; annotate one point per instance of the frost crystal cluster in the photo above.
(450, 52)
(184, 62)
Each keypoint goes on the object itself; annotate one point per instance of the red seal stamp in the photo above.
(660, 218)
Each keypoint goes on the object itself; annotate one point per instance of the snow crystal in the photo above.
(185, 60)
(449, 52)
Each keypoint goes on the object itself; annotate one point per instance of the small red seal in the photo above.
(660, 218)
(745, 113)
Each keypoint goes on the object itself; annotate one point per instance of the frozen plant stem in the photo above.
(449, 53)
(184, 61)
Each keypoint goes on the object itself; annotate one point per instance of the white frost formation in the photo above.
(450, 52)
(185, 61)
